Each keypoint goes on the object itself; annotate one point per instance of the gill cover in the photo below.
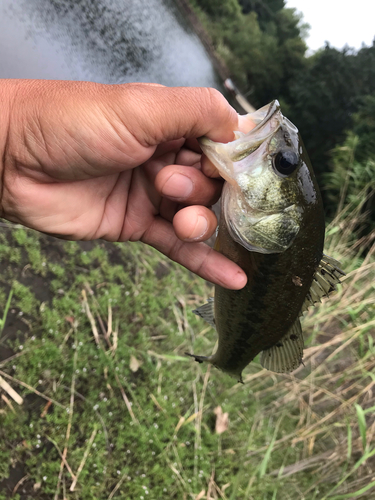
(259, 199)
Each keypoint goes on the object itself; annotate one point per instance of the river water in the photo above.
(108, 41)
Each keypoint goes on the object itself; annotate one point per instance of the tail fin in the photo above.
(199, 359)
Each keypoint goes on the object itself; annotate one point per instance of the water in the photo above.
(108, 41)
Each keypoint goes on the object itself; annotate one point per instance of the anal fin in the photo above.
(286, 355)
(199, 359)
(206, 312)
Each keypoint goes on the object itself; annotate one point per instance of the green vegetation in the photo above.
(93, 343)
(92, 335)
(98, 401)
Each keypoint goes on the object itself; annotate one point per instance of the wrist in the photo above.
(7, 93)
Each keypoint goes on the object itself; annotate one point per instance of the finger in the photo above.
(167, 147)
(188, 157)
(158, 114)
(169, 208)
(245, 123)
(208, 168)
(187, 185)
(194, 223)
(193, 144)
(197, 257)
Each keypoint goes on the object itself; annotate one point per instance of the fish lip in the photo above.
(274, 107)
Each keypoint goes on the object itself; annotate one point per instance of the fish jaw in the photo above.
(227, 157)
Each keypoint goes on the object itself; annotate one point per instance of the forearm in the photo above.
(7, 91)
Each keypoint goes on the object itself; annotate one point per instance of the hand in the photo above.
(119, 162)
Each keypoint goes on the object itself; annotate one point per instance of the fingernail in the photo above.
(240, 279)
(178, 186)
(201, 227)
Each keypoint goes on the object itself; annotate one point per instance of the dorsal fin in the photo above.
(286, 355)
(206, 312)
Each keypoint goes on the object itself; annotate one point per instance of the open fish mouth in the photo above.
(228, 157)
(264, 114)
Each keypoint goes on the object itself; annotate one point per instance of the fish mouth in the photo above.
(264, 114)
(229, 157)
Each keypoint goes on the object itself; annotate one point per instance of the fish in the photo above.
(272, 225)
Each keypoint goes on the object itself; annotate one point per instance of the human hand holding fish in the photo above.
(121, 162)
(83, 161)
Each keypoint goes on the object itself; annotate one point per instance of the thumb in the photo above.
(155, 114)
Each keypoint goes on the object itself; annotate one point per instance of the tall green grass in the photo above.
(113, 409)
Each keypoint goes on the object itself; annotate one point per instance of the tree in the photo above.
(228, 9)
(324, 97)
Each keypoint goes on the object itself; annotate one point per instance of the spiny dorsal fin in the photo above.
(206, 312)
(287, 354)
(324, 282)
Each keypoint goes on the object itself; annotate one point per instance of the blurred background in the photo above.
(97, 400)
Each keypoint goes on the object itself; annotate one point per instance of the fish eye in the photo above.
(285, 162)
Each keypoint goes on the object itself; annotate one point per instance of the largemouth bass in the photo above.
(272, 226)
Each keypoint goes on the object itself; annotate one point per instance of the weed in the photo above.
(113, 409)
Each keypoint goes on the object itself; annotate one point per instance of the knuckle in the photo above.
(217, 103)
(214, 95)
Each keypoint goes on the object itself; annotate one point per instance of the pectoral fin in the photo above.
(287, 354)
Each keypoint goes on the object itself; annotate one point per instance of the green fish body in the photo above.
(272, 226)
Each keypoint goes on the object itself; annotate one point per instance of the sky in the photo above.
(339, 22)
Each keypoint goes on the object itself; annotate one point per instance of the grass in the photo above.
(93, 343)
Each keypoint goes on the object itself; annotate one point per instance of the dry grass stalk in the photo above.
(126, 400)
(30, 388)
(69, 426)
(156, 402)
(8, 403)
(10, 391)
(83, 461)
(63, 458)
(90, 317)
(20, 483)
(118, 486)
(106, 336)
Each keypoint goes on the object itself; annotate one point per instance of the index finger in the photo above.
(197, 257)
